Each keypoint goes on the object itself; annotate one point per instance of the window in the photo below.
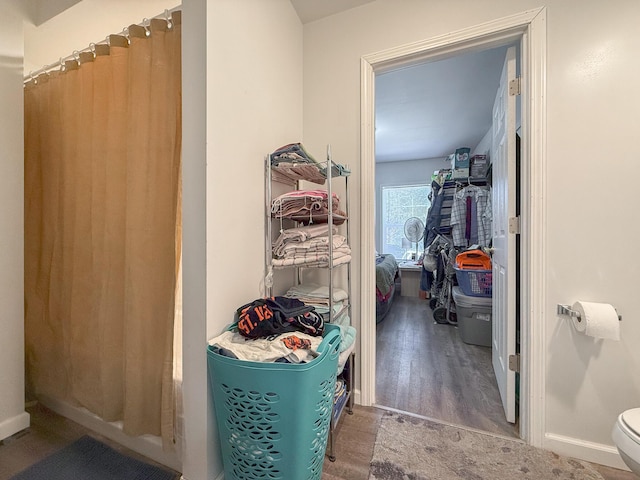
(398, 205)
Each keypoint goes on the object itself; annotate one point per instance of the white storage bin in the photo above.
(474, 318)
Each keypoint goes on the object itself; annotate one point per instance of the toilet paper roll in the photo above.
(599, 320)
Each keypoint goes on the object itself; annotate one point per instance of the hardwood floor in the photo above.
(355, 441)
(425, 368)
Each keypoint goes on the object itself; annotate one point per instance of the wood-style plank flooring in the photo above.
(425, 368)
(355, 441)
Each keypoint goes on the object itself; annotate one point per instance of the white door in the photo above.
(503, 158)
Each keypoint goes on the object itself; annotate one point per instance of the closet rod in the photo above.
(75, 55)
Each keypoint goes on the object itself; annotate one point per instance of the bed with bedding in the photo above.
(386, 273)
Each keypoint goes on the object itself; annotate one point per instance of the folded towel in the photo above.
(344, 356)
(347, 337)
(340, 256)
(320, 293)
(300, 234)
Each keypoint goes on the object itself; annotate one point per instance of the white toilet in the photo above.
(626, 436)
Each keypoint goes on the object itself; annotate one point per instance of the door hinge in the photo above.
(514, 225)
(514, 363)
(514, 86)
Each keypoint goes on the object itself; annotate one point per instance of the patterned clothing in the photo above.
(482, 198)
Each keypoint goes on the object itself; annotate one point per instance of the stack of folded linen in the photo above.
(291, 250)
(307, 207)
(293, 236)
(292, 162)
(317, 296)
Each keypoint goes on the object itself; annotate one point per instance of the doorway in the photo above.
(527, 28)
(424, 112)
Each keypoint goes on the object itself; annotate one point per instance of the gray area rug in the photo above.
(409, 448)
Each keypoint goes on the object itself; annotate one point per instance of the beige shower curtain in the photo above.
(102, 229)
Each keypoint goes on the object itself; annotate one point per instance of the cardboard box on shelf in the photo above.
(461, 158)
(478, 165)
(460, 173)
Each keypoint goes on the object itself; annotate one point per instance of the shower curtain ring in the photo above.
(76, 56)
(62, 66)
(145, 23)
(167, 17)
(33, 79)
(92, 49)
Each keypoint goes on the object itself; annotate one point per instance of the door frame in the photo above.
(529, 28)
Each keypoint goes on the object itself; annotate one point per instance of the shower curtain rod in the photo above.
(75, 55)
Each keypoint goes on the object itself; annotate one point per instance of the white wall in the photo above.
(484, 146)
(408, 172)
(86, 22)
(12, 415)
(254, 105)
(590, 178)
(197, 411)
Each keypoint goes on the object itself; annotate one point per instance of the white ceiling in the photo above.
(312, 10)
(428, 110)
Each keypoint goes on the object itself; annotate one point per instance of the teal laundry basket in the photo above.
(273, 418)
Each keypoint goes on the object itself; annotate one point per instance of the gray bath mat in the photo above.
(89, 459)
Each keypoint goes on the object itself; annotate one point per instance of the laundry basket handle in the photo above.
(331, 340)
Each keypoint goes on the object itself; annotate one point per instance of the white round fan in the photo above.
(414, 230)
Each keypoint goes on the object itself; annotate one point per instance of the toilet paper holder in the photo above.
(567, 310)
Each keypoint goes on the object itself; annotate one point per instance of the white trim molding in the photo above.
(589, 451)
(15, 424)
(367, 235)
(533, 238)
(148, 445)
(528, 27)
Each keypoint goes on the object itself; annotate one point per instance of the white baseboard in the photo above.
(148, 445)
(219, 477)
(584, 450)
(14, 424)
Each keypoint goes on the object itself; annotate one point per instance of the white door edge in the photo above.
(503, 258)
(530, 28)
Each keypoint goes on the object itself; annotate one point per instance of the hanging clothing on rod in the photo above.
(471, 216)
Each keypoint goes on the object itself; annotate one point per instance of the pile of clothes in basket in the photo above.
(284, 329)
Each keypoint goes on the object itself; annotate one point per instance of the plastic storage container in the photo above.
(273, 418)
(474, 318)
(473, 260)
(476, 283)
